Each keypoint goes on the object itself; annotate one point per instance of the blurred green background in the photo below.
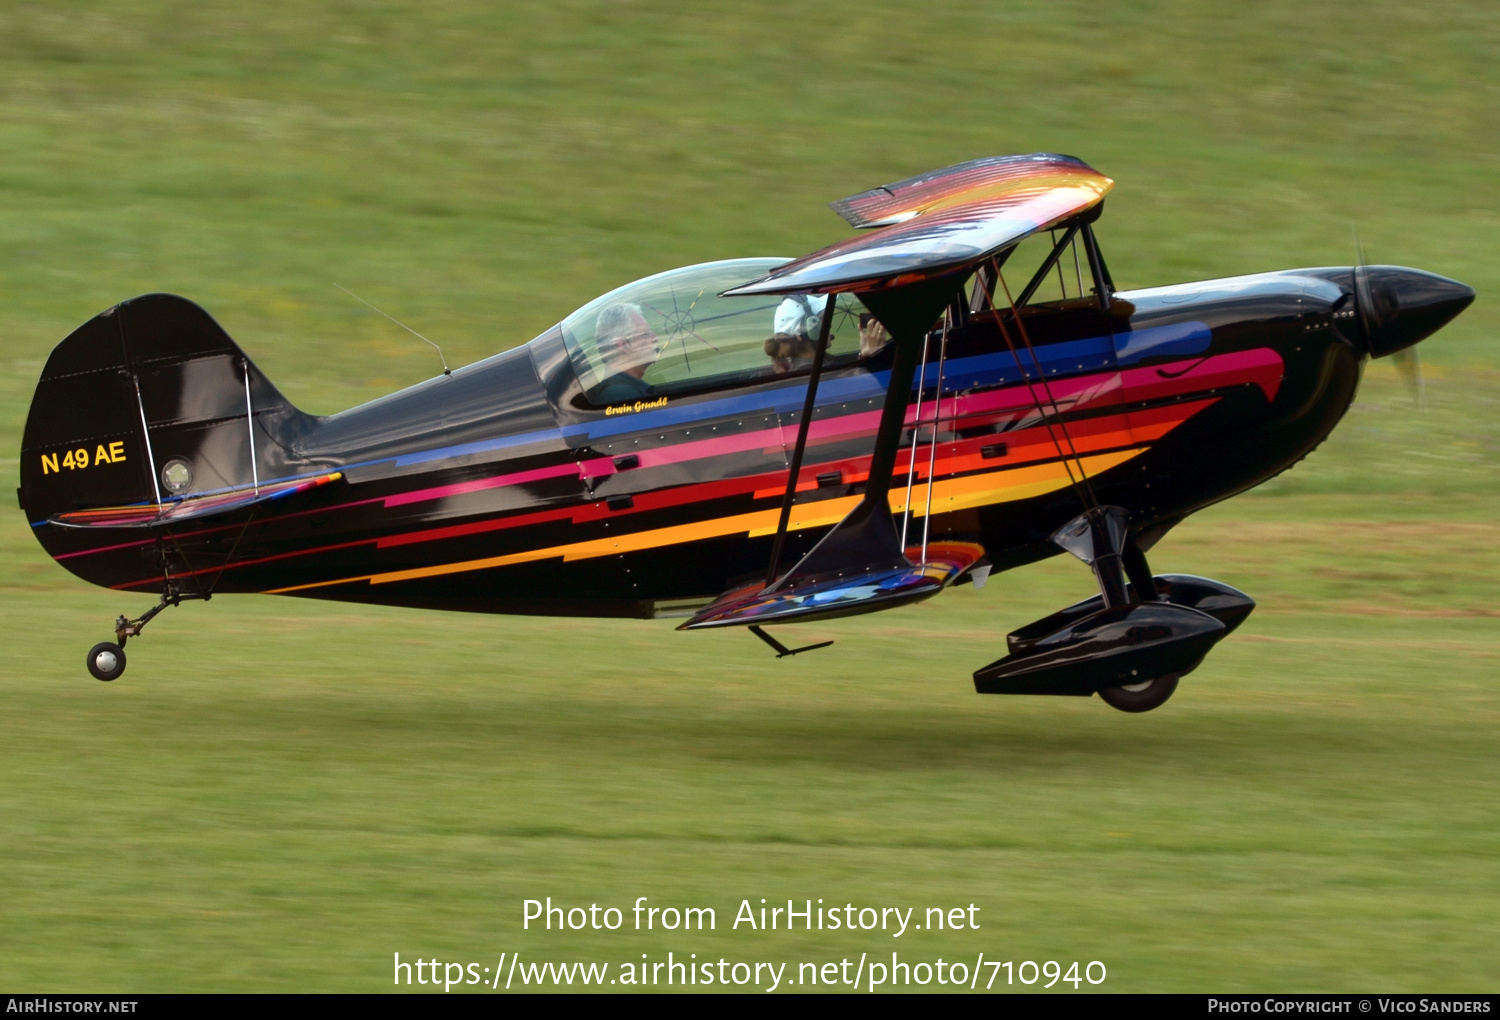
(279, 795)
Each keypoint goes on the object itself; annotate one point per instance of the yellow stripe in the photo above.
(952, 494)
(316, 584)
(1000, 487)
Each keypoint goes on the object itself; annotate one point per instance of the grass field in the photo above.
(279, 795)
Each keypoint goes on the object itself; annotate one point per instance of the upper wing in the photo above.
(941, 221)
(148, 514)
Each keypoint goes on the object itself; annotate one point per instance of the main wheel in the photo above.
(1141, 697)
(106, 660)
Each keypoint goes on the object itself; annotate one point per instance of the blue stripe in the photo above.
(1175, 340)
(1094, 354)
(479, 446)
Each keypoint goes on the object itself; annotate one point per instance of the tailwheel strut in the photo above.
(106, 660)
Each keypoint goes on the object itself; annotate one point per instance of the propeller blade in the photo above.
(1409, 364)
(1408, 361)
(1364, 305)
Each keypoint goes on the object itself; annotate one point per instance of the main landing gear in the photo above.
(1133, 641)
(106, 660)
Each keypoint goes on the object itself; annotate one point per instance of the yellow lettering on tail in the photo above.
(114, 453)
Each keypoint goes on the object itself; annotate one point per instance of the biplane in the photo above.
(957, 389)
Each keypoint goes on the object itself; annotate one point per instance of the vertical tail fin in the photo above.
(148, 401)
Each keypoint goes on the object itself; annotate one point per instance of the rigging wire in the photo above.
(937, 413)
(916, 428)
(1084, 496)
(1047, 389)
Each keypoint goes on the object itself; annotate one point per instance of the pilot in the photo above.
(628, 346)
(794, 341)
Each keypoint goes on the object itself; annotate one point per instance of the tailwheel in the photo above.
(1143, 696)
(106, 660)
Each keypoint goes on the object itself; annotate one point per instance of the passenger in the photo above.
(628, 347)
(872, 335)
(794, 341)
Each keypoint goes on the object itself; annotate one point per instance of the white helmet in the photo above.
(796, 317)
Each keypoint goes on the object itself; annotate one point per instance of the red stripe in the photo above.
(247, 563)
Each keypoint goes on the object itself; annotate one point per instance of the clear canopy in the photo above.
(672, 333)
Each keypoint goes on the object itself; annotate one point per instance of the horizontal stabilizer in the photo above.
(821, 597)
(191, 508)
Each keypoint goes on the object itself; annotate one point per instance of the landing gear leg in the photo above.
(1101, 538)
(106, 660)
(1139, 572)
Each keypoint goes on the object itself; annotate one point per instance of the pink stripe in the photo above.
(1262, 366)
(480, 484)
(102, 548)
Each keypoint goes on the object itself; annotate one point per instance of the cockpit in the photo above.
(672, 333)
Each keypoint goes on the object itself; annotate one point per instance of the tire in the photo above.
(1142, 697)
(106, 661)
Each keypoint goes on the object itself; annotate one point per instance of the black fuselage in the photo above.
(501, 488)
